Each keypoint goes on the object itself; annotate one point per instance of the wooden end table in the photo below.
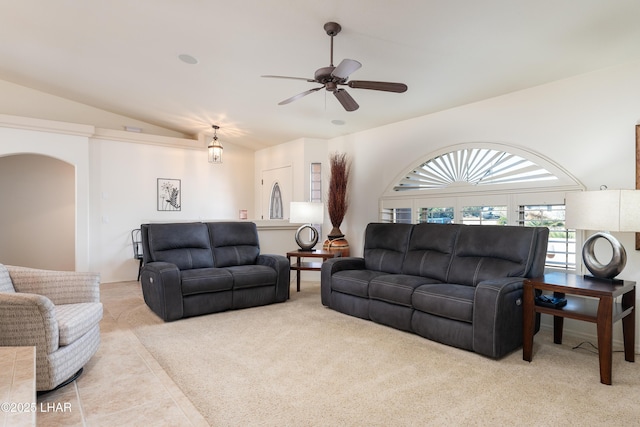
(308, 266)
(575, 288)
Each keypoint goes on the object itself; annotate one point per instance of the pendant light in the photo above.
(215, 148)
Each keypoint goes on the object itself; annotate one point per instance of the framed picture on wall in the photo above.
(169, 194)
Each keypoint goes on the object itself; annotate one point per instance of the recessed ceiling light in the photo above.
(187, 59)
(338, 122)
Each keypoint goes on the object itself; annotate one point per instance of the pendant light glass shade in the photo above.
(215, 148)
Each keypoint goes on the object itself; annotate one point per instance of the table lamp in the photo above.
(610, 210)
(307, 213)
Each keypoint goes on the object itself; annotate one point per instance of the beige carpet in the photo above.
(301, 364)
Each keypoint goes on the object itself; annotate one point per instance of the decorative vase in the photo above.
(336, 243)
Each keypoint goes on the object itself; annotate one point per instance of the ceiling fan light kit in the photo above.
(331, 77)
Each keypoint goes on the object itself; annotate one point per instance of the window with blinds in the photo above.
(399, 215)
(315, 182)
(475, 166)
(437, 215)
(561, 251)
(479, 215)
(487, 184)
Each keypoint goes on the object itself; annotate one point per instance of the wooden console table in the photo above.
(308, 266)
(575, 288)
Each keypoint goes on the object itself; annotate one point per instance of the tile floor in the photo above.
(122, 385)
(17, 386)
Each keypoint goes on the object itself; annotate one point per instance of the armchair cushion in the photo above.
(75, 320)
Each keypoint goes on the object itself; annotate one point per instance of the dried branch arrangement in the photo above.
(338, 200)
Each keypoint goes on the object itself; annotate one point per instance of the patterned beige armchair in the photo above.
(58, 312)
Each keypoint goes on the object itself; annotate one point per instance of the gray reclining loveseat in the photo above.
(460, 285)
(198, 268)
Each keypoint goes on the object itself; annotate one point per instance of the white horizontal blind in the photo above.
(475, 166)
(399, 215)
(561, 250)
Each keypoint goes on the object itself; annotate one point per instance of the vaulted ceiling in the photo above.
(123, 56)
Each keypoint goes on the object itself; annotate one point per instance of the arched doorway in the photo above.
(39, 212)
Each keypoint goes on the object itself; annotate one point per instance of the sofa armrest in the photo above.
(61, 287)
(28, 320)
(497, 316)
(162, 289)
(281, 265)
(332, 266)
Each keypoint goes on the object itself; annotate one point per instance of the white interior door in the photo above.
(277, 192)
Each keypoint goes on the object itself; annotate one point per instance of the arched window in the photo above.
(473, 166)
(486, 183)
(275, 205)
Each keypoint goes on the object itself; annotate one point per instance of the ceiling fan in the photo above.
(331, 77)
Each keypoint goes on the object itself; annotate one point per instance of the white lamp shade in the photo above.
(306, 212)
(604, 210)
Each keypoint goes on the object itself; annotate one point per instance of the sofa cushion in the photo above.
(445, 300)
(396, 288)
(75, 320)
(385, 245)
(353, 282)
(430, 249)
(234, 243)
(184, 244)
(252, 276)
(491, 251)
(204, 280)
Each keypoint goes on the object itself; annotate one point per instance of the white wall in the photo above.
(124, 193)
(63, 141)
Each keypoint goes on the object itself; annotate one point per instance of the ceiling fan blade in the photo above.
(385, 86)
(345, 68)
(287, 77)
(346, 100)
(300, 95)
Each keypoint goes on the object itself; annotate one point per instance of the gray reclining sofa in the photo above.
(198, 268)
(460, 285)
